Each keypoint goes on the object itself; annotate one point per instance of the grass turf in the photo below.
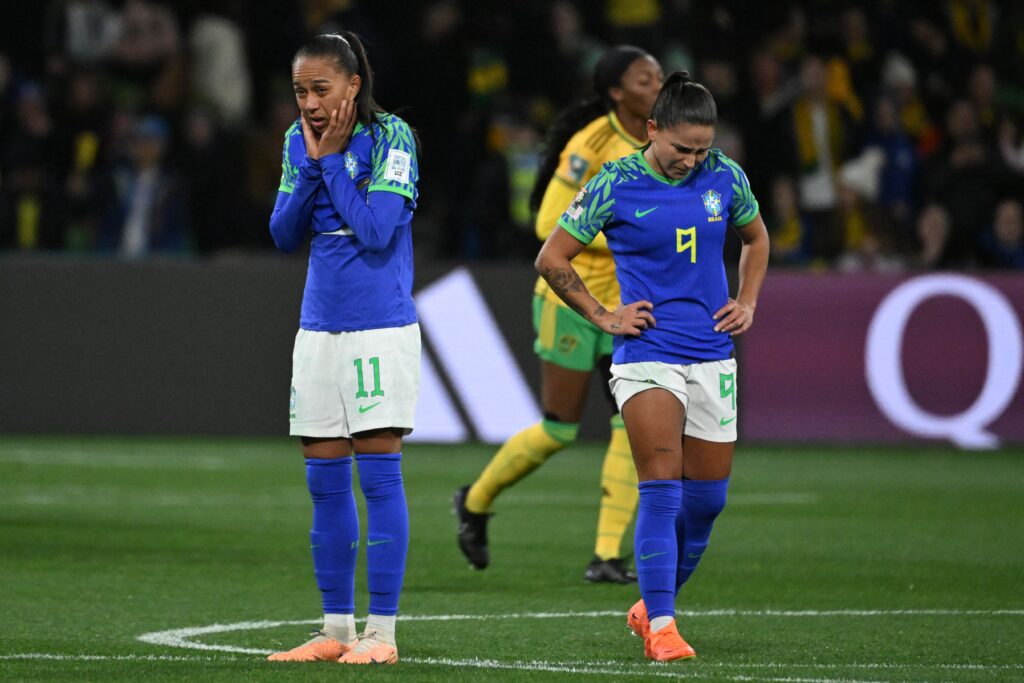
(828, 564)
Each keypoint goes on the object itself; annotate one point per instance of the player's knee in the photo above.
(326, 449)
(562, 432)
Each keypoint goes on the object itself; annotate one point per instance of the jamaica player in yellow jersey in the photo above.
(611, 125)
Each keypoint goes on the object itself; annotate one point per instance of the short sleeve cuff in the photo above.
(564, 225)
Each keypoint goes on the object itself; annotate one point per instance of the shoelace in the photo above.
(367, 641)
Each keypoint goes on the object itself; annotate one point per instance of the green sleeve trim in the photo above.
(285, 188)
(749, 218)
(574, 232)
(379, 187)
(562, 432)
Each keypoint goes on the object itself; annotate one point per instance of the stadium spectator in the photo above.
(605, 127)
(348, 184)
(965, 176)
(1011, 147)
(897, 184)
(32, 215)
(859, 51)
(675, 379)
(933, 231)
(82, 134)
(144, 202)
(788, 234)
(821, 132)
(208, 159)
(868, 234)
(219, 70)
(147, 61)
(1002, 245)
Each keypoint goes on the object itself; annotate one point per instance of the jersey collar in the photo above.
(617, 126)
(657, 176)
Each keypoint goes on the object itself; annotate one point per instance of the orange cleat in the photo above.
(667, 645)
(370, 650)
(321, 648)
(637, 621)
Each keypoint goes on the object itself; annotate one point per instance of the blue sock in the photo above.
(702, 502)
(334, 537)
(655, 544)
(387, 533)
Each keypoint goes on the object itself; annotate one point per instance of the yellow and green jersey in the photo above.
(602, 140)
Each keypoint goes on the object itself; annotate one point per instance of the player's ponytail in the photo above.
(683, 100)
(347, 51)
(366, 107)
(608, 74)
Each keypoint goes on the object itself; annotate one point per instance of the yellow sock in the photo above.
(619, 493)
(524, 452)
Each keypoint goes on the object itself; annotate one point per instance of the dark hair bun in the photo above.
(678, 77)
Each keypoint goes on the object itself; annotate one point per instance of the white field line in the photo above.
(880, 666)
(179, 637)
(165, 459)
(118, 658)
(582, 668)
(97, 497)
(647, 671)
(182, 638)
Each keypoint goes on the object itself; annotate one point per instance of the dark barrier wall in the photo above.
(204, 348)
(172, 347)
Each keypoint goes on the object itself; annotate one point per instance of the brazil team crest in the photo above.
(350, 164)
(712, 203)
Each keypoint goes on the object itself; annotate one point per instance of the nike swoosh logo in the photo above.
(640, 214)
(723, 422)
(373, 543)
(340, 231)
(647, 557)
(363, 409)
(695, 556)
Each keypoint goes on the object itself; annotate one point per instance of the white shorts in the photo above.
(706, 390)
(349, 382)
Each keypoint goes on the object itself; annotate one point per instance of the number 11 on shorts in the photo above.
(375, 363)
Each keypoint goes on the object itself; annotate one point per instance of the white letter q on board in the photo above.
(884, 366)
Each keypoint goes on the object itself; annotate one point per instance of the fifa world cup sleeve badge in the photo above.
(576, 207)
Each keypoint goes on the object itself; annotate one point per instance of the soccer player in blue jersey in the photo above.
(349, 186)
(664, 212)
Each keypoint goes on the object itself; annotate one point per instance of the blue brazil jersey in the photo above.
(667, 238)
(349, 286)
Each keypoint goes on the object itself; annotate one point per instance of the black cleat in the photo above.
(609, 571)
(472, 532)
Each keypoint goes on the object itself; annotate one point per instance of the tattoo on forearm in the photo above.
(563, 280)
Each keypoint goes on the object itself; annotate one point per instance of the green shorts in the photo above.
(565, 338)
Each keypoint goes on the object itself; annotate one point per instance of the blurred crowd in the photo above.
(877, 135)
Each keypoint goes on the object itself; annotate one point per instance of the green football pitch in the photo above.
(170, 559)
